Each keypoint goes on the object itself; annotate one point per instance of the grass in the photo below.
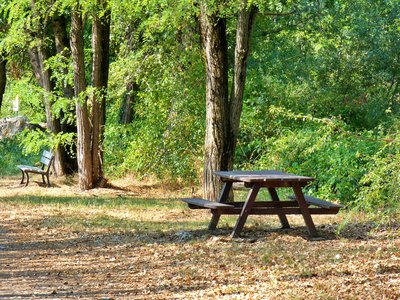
(110, 213)
(105, 202)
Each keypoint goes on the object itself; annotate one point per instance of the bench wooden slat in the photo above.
(318, 202)
(44, 160)
(202, 203)
(32, 169)
(47, 154)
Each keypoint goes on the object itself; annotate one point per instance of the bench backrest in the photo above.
(46, 159)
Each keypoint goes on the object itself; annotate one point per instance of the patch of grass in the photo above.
(107, 213)
(98, 201)
(101, 221)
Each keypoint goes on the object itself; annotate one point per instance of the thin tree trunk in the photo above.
(38, 55)
(244, 27)
(84, 153)
(100, 64)
(213, 32)
(126, 115)
(53, 123)
(62, 45)
(3, 79)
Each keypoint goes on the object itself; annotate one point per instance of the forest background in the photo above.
(321, 97)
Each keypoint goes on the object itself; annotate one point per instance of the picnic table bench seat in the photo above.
(266, 207)
(318, 202)
(46, 160)
(197, 203)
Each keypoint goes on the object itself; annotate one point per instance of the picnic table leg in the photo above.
(245, 210)
(282, 216)
(304, 210)
(222, 199)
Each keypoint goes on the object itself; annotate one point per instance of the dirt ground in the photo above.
(43, 258)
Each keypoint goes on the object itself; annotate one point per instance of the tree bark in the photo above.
(246, 18)
(84, 153)
(3, 79)
(100, 65)
(126, 114)
(62, 46)
(213, 33)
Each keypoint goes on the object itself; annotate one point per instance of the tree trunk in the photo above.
(100, 65)
(62, 45)
(223, 114)
(244, 27)
(84, 153)
(213, 33)
(3, 79)
(37, 57)
(126, 112)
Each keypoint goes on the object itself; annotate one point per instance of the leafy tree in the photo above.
(30, 32)
(90, 120)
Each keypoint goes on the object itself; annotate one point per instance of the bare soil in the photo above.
(43, 259)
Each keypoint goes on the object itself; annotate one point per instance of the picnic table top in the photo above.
(261, 176)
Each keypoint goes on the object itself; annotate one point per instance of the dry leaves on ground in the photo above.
(43, 259)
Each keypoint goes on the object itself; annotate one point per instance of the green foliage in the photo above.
(30, 100)
(163, 59)
(380, 192)
(35, 141)
(11, 156)
(321, 148)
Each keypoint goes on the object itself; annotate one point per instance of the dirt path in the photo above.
(44, 260)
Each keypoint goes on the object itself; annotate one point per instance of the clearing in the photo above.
(135, 241)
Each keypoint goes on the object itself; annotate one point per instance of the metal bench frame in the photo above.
(46, 161)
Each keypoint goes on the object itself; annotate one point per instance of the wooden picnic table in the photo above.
(271, 180)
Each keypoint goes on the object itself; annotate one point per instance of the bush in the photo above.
(380, 191)
(321, 148)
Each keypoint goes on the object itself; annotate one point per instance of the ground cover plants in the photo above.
(138, 241)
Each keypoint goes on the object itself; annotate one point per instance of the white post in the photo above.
(16, 105)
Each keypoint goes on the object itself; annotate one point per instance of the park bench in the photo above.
(46, 160)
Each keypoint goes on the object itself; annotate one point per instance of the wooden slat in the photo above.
(267, 204)
(276, 210)
(261, 176)
(202, 203)
(318, 202)
(45, 160)
(47, 154)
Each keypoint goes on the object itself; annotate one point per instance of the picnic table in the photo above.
(270, 180)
